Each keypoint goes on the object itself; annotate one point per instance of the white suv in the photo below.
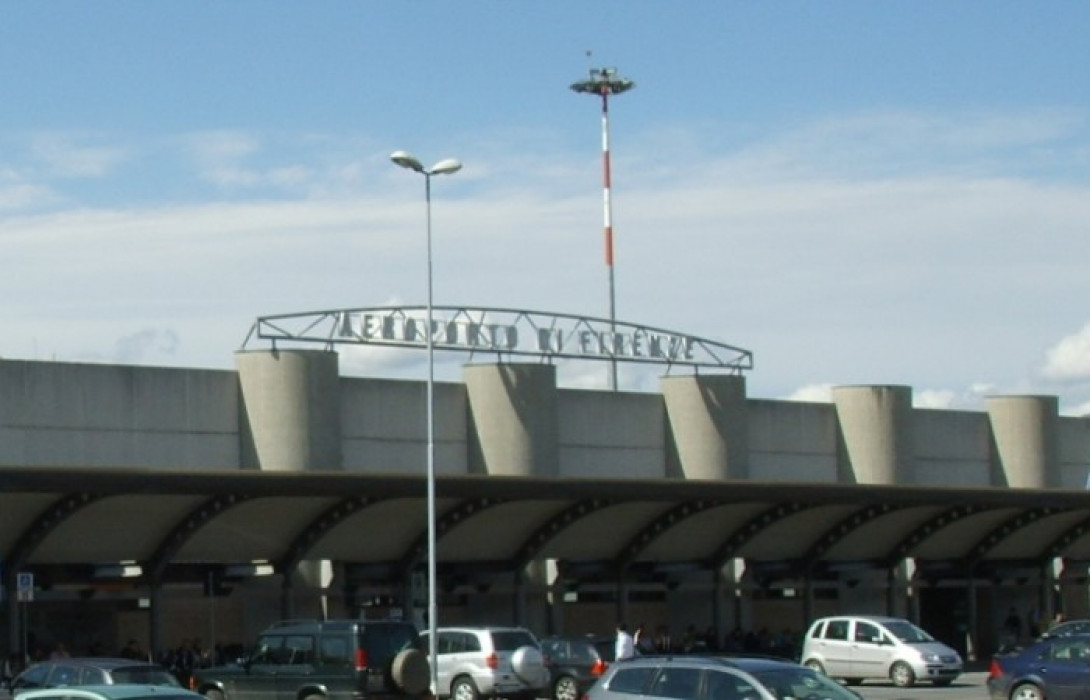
(489, 662)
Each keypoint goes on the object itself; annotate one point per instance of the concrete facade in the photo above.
(291, 410)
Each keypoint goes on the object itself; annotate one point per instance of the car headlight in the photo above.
(931, 658)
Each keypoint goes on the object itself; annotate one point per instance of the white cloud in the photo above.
(148, 345)
(21, 197)
(934, 398)
(75, 155)
(1069, 359)
(812, 393)
(821, 263)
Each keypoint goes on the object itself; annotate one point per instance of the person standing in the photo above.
(625, 646)
(641, 640)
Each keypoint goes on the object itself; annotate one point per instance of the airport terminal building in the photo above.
(167, 504)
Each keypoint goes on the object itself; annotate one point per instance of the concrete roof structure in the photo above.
(165, 520)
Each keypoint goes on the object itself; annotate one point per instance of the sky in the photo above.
(857, 192)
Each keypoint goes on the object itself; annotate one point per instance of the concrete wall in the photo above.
(384, 426)
(1073, 435)
(952, 448)
(792, 441)
(60, 414)
(83, 415)
(611, 434)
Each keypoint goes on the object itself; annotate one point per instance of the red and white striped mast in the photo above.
(605, 82)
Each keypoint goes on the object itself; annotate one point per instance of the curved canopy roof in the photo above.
(62, 519)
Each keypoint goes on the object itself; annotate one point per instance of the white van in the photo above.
(858, 647)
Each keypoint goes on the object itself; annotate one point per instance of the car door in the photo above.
(835, 647)
(1066, 669)
(259, 680)
(448, 647)
(870, 651)
(297, 667)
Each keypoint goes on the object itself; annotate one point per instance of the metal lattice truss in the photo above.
(502, 332)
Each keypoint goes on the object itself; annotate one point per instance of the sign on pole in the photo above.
(24, 586)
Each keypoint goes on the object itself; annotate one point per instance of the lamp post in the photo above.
(443, 167)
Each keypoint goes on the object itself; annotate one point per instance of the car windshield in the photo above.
(908, 632)
(790, 683)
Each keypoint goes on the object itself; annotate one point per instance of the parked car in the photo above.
(117, 691)
(1057, 668)
(696, 677)
(1068, 628)
(860, 647)
(66, 673)
(489, 661)
(325, 660)
(575, 663)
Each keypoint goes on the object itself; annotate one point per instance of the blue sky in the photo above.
(858, 192)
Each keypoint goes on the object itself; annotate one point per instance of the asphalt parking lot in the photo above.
(969, 686)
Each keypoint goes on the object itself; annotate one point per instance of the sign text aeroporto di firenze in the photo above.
(503, 332)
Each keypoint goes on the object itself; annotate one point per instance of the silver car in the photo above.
(691, 677)
(490, 662)
(858, 647)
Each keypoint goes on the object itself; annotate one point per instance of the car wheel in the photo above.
(213, 694)
(902, 675)
(815, 665)
(314, 696)
(529, 665)
(1027, 691)
(463, 688)
(565, 688)
(410, 671)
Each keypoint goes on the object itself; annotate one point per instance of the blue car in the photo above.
(1057, 668)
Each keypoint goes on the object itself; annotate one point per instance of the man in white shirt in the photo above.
(625, 647)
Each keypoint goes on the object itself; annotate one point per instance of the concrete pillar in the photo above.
(622, 597)
(513, 419)
(287, 598)
(291, 410)
(972, 631)
(875, 425)
(155, 621)
(518, 610)
(15, 627)
(892, 589)
(808, 595)
(719, 612)
(1025, 437)
(707, 427)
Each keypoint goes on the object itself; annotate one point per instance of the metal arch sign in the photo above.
(503, 332)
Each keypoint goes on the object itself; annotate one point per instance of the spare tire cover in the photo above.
(529, 665)
(410, 671)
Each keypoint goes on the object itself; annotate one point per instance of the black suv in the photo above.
(575, 663)
(324, 660)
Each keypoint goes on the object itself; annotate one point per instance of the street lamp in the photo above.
(444, 167)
